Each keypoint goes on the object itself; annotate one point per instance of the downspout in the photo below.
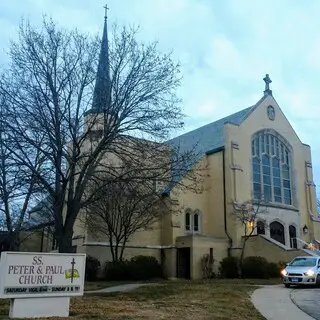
(225, 203)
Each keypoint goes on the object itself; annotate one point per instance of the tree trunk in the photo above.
(13, 241)
(111, 247)
(122, 249)
(65, 242)
(116, 251)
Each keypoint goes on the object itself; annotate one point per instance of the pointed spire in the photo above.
(102, 90)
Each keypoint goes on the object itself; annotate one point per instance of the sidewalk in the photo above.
(274, 303)
(120, 288)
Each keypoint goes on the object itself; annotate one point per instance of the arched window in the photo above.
(271, 168)
(277, 232)
(193, 221)
(196, 222)
(188, 221)
(260, 227)
(293, 237)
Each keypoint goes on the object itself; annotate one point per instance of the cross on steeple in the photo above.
(267, 81)
(106, 12)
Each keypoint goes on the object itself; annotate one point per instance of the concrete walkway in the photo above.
(274, 303)
(120, 288)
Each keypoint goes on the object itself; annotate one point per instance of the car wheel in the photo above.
(318, 280)
(287, 285)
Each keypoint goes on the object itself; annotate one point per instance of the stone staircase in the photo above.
(310, 250)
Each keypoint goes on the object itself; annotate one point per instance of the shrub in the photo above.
(92, 267)
(273, 270)
(255, 267)
(145, 268)
(229, 267)
(138, 268)
(117, 271)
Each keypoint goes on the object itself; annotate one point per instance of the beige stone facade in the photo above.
(252, 154)
(255, 153)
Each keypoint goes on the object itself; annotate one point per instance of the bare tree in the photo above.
(247, 214)
(18, 187)
(207, 263)
(76, 118)
(120, 209)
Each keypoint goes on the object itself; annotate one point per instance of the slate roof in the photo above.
(204, 139)
(209, 136)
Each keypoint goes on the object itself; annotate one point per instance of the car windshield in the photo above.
(303, 262)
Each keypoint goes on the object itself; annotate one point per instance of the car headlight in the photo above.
(284, 272)
(309, 273)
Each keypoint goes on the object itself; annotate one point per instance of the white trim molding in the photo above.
(142, 246)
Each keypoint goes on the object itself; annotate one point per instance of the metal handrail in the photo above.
(310, 245)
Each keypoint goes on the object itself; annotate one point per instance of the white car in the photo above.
(302, 271)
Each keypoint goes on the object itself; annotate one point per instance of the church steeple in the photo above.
(102, 90)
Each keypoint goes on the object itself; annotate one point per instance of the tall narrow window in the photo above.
(271, 168)
(286, 184)
(188, 221)
(266, 177)
(196, 222)
(276, 180)
(256, 178)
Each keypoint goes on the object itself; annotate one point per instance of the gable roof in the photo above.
(209, 136)
(204, 139)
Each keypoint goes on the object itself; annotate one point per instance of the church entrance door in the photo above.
(293, 237)
(183, 263)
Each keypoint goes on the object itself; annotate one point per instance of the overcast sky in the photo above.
(225, 46)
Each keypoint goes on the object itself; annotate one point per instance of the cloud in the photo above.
(225, 48)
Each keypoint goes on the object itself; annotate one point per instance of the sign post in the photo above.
(41, 284)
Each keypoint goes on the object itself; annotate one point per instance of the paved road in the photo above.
(308, 300)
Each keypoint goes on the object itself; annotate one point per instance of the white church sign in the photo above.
(41, 284)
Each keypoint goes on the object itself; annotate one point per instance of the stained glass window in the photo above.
(271, 160)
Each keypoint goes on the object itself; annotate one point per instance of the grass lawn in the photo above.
(201, 300)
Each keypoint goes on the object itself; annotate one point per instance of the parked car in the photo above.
(302, 271)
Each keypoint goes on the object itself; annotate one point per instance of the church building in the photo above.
(250, 155)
